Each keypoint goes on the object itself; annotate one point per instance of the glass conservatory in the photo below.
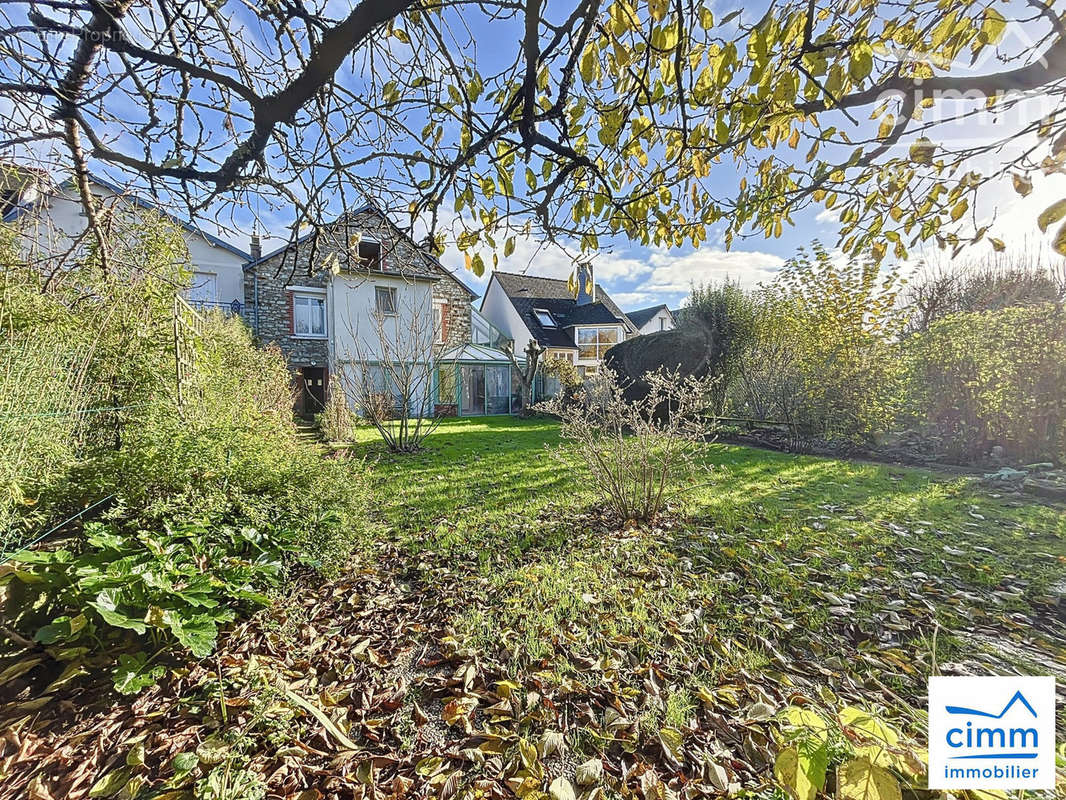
(473, 380)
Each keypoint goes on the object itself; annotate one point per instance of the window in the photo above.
(369, 255)
(544, 318)
(592, 343)
(662, 323)
(385, 299)
(440, 312)
(308, 315)
(446, 385)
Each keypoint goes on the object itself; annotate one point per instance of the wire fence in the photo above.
(46, 423)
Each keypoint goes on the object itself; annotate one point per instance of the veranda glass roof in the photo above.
(474, 354)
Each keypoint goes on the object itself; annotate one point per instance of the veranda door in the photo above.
(473, 389)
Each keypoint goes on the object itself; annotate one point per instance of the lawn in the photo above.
(850, 574)
(820, 538)
(502, 636)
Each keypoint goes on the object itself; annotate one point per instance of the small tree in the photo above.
(389, 377)
(564, 370)
(728, 313)
(634, 451)
(527, 375)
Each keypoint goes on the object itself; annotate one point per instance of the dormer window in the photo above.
(368, 253)
(545, 318)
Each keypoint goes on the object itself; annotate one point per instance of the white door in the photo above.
(203, 291)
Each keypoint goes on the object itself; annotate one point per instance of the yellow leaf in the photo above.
(1022, 184)
(807, 720)
(1051, 215)
(799, 776)
(1060, 241)
(561, 789)
(959, 210)
(922, 150)
(588, 64)
(997, 244)
(993, 26)
(868, 724)
(860, 779)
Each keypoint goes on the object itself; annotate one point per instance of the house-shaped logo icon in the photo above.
(991, 733)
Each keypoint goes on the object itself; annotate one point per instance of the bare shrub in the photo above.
(636, 450)
(388, 374)
(337, 421)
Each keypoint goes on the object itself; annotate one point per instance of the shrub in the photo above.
(635, 451)
(823, 355)
(993, 377)
(337, 421)
(194, 510)
(998, 281)
(729, 314)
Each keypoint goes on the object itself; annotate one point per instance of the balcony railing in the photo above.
(204, 306)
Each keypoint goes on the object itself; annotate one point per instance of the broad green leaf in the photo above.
(107, 605)
(132, 673)
(111, 783)
(183, 764)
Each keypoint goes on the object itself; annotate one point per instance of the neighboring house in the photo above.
(654, 319)
(580, 329)
(52, 222)
(320, 298)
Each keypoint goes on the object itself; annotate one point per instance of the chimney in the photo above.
(586, 284)
(256, 247)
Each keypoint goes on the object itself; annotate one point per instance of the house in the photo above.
(51, 222)
(654, 319)
(579, 329)
(354, 296)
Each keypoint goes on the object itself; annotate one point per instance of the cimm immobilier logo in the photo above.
(991, 733)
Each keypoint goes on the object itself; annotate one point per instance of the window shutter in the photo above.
(291, 313)
(444, 322)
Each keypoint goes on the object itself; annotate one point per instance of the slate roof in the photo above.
(642, 316)
(528, 293)
(433, 265)
(18, 210)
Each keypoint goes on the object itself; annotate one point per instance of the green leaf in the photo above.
(111, 783)
(107, 605)
(183, 764)
(807, 721)
(132, 673)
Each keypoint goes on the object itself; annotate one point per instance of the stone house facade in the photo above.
(300, 297)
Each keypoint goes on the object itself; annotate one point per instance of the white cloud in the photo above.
(677, 273)
(633, 300)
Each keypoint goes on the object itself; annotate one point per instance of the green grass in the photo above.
(760, 557)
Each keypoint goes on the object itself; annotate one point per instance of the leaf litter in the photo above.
(670, 665)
